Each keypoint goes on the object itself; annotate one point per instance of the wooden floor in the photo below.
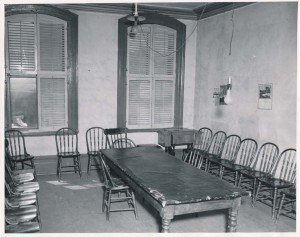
(74, 206)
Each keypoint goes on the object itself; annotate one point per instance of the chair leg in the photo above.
(108, 205)
(89, 166)
(104, 202)
(253, 192)
(79, 166)
(256, 193)
(235, 178)
(280, 207)
(134, 204)
(274, 202)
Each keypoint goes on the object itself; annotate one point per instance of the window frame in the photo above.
(158, 19)
(71, 20)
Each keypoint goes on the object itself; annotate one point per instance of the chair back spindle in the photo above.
(265, 158)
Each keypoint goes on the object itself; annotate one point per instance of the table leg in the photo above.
(167, 214)
(165, 228)
(232, 215)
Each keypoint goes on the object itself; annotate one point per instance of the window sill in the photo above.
(147, 129)
(38, 133)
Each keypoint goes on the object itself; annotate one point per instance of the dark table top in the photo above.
(168, 179)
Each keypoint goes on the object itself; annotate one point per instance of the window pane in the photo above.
(23, 103)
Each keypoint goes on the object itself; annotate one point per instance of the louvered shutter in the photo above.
(139, 80)
(52, 46)
(21, 45)
(53, 100)
(53, 76)
(164, 40)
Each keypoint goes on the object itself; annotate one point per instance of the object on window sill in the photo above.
(18, 122)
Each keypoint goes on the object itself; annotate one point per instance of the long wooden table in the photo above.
(171, 186)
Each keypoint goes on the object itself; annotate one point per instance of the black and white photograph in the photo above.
(149, 117)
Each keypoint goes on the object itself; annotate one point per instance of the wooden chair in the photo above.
(260, 166)
(287, 204)
(116, 191)
(95, 141)
(113, 134)
(123, 143)
(17, 150)
(202, 140)
(67, 148)
(283, 175)
(194, 157)
(215, 147)
(246, 153)
(229, 151)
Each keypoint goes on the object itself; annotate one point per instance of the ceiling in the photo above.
(180, 10)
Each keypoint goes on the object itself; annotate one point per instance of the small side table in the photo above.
(172, 137)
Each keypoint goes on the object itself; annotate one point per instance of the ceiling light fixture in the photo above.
(136, 19)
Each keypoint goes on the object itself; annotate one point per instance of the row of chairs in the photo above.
(67, 147)
(269, 177)
(21, 201)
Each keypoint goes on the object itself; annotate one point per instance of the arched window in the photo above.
(150, 73)
(41, 61)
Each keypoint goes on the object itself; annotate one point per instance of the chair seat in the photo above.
(22, 158)
(68, 154)
(30, 187)
(23, 178)
(275, 183)
(254, 173)
(93, 153)
(235, 167)
(22, 200)
(27, 227)
(20, 216)
(25, 171)
(22, 212)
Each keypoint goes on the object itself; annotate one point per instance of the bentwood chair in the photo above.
(246, 153)
(215, 147)
(229, 151)
(201, 140)
(123, 143)
(260, 166)
(116, 191)
(283, 175)
(113, 134)
(194, 157)
(287, 204)
(67, 148)
(95, 141)
(17, 150)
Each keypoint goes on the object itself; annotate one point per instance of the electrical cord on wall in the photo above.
(232, 21)
(182, 45)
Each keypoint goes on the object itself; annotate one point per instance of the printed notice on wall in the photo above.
(265, 96)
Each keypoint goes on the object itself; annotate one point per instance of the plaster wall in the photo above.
(263, 51)
(97, 80)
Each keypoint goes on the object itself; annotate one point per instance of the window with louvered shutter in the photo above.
(21, 45)
(151, 65)
(37, 45)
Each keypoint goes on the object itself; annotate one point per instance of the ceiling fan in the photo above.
(136, 19)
